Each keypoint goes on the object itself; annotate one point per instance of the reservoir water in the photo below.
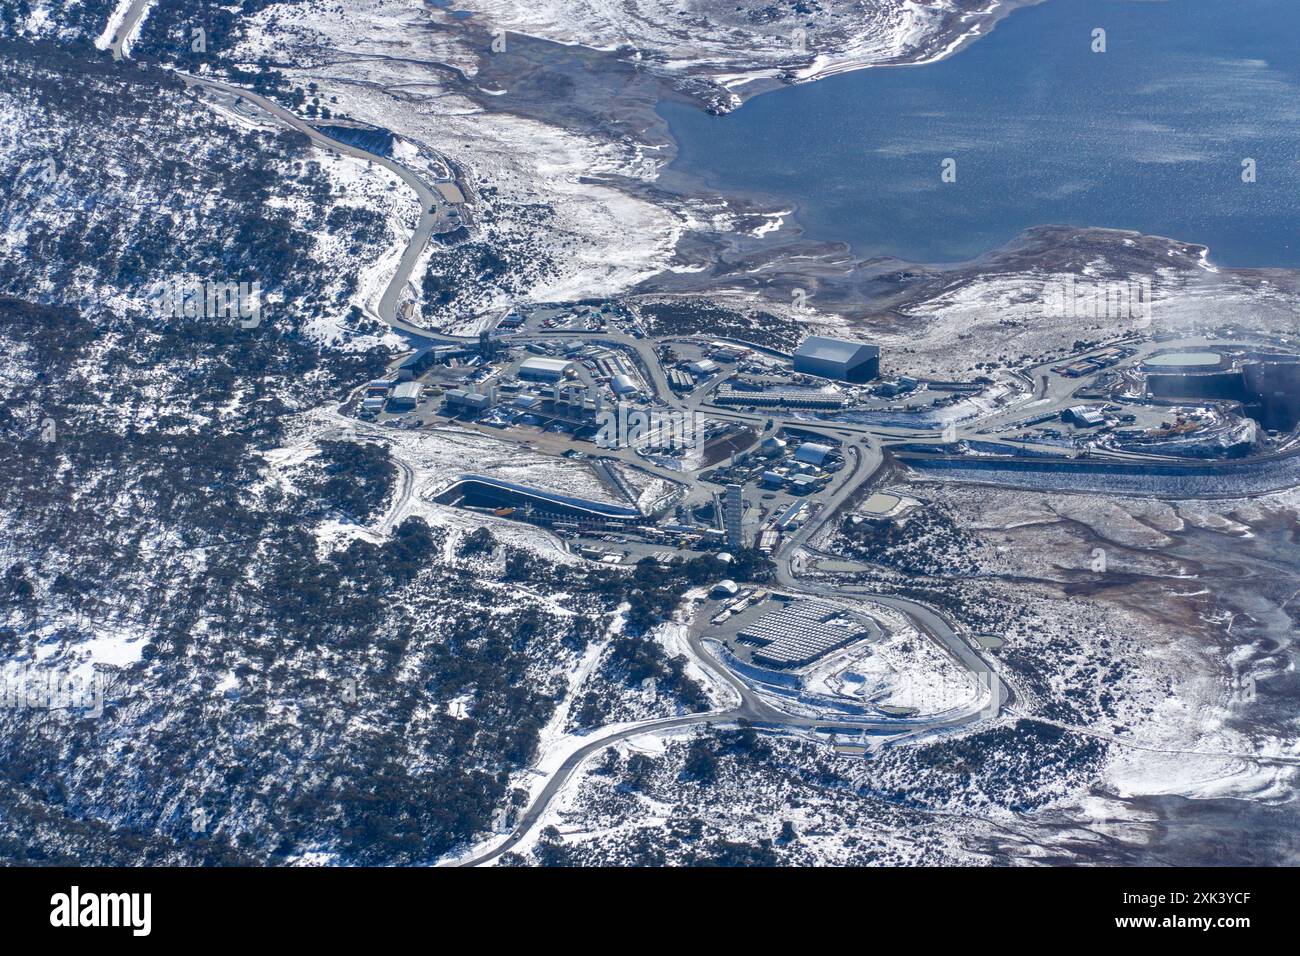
(1149, 135)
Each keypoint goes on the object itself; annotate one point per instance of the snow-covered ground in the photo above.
(543, 197)
(736, 44)
(1181, 718)
(115, 20)
(354, 232)
(904, 669)
(650, 490)
(437, 457)
(1008, 313)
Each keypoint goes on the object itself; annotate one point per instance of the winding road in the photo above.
(861, 445)
(431, 200)
(753, 708)
(126, 29)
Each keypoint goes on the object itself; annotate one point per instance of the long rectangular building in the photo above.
(729, 396)
(733, 511)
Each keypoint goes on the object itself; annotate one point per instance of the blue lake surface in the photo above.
(1149, 135)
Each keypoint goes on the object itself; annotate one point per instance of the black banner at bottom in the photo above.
(340, 905)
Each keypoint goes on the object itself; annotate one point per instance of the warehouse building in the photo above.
(680, 380)
(543, 369)
(768, 539)
(725, 589)
(804, 484)
(839, 359)
(814, 453)
(623, 385)
(405, 395)
(1083, 416)
(461, 400)
(793, 517)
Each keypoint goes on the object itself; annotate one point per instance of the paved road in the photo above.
(753, 707)
(863, 456)
(534, 813)
(928, 621)
(127, 28)
(431, 200)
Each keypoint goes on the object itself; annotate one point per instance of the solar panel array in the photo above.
(802, 631)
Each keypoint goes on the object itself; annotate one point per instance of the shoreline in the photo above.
(793, 247)
(997, 11)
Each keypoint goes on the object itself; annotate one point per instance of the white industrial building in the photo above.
(1083, 416)
(814, 453)
(405, 395)
(541, 369)
(725, 588)
(623, 385)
